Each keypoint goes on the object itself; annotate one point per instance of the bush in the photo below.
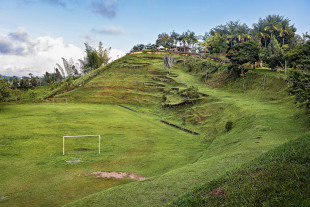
(228, 125)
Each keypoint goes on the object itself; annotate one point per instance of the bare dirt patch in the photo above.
(218, 192)
(115, 175)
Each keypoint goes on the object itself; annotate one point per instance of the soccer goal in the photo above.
(59, 98)
(63, 141)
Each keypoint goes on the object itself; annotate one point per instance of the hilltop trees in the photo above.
(94, 58)
(274, 25)
(164, 40)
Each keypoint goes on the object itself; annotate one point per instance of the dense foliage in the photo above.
(4, 89)
(245, 52)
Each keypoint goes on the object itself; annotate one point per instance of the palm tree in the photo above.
(175, 36)
(286, 30)
(183, 38)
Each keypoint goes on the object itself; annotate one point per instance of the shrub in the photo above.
(228, 125)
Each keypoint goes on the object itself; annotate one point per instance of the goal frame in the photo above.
(59, 98)
(63, 141)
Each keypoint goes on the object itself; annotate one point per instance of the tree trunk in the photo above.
(206, 76)
(285, 67)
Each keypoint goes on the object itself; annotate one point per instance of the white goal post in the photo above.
(59, 98)
(63, 141)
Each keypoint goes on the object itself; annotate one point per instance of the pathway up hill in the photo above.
(262, 120)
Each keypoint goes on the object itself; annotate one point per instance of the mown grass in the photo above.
(280, 177)
(35, 173)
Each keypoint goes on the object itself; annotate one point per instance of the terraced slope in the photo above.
(259, 125)
(127, 80)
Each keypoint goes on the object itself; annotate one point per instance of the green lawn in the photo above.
(35, 173)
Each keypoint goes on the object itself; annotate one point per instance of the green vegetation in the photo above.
(246, 150)
(238, 120)
(35, 173)
(279, 177)
(4, 89)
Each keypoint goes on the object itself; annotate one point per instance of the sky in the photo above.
(36, 34)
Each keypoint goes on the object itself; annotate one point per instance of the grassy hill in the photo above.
(262, 114)
(280, 177)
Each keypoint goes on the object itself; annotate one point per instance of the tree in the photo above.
(164, 40)
(25, 83)
(273, 54)
(94, 58)
(67, 66)
(61, 70)
(299, 77)
(47, 77)
(175, 36)
(4, 89)
(103, 55)
(217, 43)
(33, 80)
(299, 80)
(169, 61)
(58, 75)
(299, 56)
(15, 82)
(274, 25)
(245, 52)
(183, 39)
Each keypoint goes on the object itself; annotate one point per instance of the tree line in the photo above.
(272, 41)
(63, 74)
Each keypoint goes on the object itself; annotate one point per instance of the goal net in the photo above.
(80, 143)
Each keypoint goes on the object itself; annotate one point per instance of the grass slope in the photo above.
(262, 120)
(280, 177)
(35, 173)
(121, 82)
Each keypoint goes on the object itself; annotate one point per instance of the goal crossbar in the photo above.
(59, 98)
(63, 141)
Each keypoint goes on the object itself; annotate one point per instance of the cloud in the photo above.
(16, 43)
(110, 30)
(20, 54)
(104, 8)
(115, 54)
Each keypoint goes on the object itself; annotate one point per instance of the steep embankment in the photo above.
(262, 120)
(124, 81)
(280, 177)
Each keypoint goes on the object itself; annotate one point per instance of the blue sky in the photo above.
(120, 24)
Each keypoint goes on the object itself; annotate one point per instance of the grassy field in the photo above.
(35, 173)
(174, 161)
